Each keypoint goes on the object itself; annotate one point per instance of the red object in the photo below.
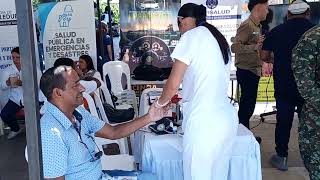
(20, 114)
(85, 104)
(175, 99)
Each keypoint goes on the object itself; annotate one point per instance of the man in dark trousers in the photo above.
(280, 41)
(246, 46)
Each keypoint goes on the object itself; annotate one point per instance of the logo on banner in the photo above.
(66, 16)
(212, 4)
(8, 18)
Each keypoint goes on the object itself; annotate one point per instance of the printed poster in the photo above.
(68, 30)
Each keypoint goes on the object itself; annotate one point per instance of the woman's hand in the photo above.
(156, 114)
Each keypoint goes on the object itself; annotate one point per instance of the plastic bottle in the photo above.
(126, 57)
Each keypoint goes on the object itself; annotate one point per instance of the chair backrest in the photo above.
(144, 100)
(26, 153)
(99, 105)
(92, 106)
(114, 70)
(105, 94)
(121, 143)
(122, 161)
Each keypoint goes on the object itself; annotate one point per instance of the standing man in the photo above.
(68, 131)
(247, 44)
(280, 41)
(306, 70)
(11, 80)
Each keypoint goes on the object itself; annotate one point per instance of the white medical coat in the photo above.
(209, 120)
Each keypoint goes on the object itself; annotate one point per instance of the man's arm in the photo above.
(304, 59)
(240, 41)
(109, 49)
(123, 130)
(267, 66)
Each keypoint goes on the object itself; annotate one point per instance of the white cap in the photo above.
(298, 7)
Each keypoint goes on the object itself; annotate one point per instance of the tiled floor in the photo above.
(14, 167)
(296, 168)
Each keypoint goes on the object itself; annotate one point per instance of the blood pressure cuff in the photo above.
(162, 126)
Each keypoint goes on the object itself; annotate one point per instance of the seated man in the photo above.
(67, 130)
(10, 79)
(89, 83)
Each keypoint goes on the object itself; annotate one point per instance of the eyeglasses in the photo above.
(77, 126)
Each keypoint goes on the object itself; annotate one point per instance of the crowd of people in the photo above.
(202, 59)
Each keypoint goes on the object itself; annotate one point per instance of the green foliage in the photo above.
(115, 10)
(35, 2)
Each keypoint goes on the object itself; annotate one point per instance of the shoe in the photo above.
(13, 134)
(258, 138)
(278, 162)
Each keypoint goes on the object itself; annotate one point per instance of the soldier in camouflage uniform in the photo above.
(306, 69)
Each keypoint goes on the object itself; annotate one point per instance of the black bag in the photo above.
(148, 72)
(118, 115)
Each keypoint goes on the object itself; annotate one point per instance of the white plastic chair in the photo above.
(122, 161)
(114, 70)
(100, 108)
(26, 153)
(1, 127)
(144, 100)
(104, 94)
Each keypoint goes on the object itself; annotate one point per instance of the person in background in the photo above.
(106, 46)
(11, 79)
(88, 82)
(280, 41)
(246, 46)
(265, 25)
(306, 70)
(105, 15)
(202, 64)
(85, 64)
(68, 130)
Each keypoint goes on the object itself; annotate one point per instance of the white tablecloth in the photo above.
(162, 155)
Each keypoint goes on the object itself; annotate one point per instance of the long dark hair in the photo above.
(201, 13)
(88, 61)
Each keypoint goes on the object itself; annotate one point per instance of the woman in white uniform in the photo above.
(202, 62)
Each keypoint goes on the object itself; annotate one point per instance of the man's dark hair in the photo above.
(253, 3)
(16, 50)
(53, 78)
(64, 62)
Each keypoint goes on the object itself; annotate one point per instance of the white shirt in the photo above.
(15, 94)
(205, 82)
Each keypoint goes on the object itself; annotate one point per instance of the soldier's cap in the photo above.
(298, 7)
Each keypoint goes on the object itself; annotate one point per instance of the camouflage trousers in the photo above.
(309, 144)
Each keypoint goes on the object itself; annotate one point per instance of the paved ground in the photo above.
(14, 167)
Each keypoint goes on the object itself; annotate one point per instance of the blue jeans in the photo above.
(8, 115)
